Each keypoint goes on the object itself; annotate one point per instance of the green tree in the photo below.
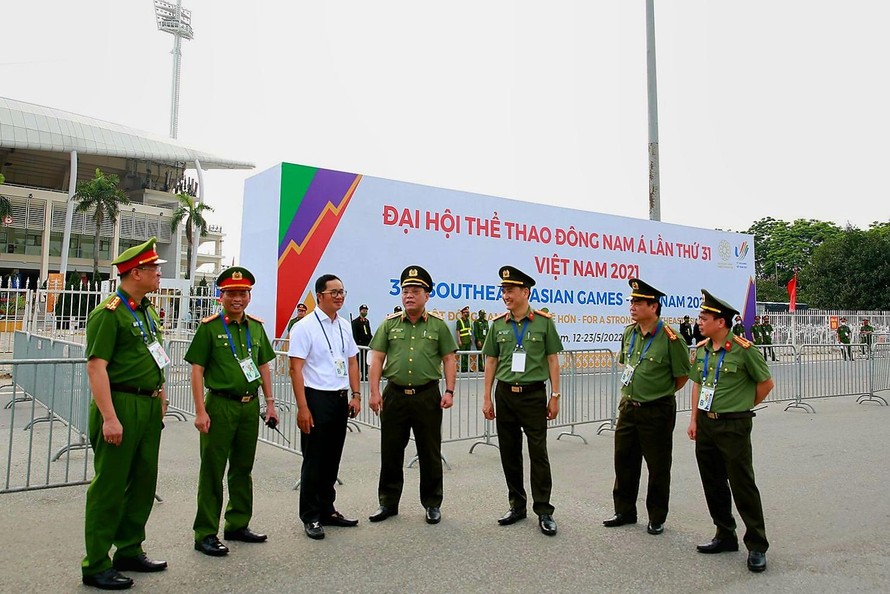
(103, 197)
(5, 204)
(192, 212)
(850, 271)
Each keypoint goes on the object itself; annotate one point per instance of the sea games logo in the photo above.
(741, 251)
(724, 251)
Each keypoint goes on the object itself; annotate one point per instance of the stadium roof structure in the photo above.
(30, 127)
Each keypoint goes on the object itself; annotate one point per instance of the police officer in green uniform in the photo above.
(656, 365)
(126, 363)
(739, 328)
(522, 352)
(866, 331)
(416, 346)
(464, 329)
(756, 332)
(230, 356)
(844, 336)
(731, 378)
(480, 331)
(361, 332)
(766, 335)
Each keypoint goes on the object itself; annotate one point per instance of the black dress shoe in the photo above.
(314, 530)
(433, 515)
(547, 524)
(383, 512)
(756, 561)
(244, 535)
(338, 519)
(512, 516)
(619, 520)
(109, 579)
(210, 545)
(718, 545)
(655, 528)
(140, 562)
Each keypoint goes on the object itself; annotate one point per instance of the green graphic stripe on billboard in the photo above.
(295, 180)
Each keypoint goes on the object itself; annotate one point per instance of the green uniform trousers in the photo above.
(644, 431)
(402, 413)
(518, 413)
(723, 453)
(121, 495)
(465, 359)
(232, 439)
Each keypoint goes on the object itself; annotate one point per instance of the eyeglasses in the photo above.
(335, 293)
(152, 267)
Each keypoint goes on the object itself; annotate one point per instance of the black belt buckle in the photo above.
(246, 398)
(516, 389)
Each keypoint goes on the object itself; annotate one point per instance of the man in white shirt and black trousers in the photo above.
(325, 377)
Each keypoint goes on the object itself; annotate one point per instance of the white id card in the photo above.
(340, 367)
(518, 363)
(159, 354)
(249, 369)
(627, 375)
(705, 398)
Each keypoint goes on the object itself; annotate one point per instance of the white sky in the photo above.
(766, 107)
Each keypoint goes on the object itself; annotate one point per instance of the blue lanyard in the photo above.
(145, 337)
(323, 331)
(519, 334)
(633, 336)
(231, 342)
(717, 370)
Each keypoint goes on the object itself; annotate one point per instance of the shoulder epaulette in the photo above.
(436, 315)
(113, 303)
(210, 318)
(254, 318)
(703, 342)
(743, 342)
(546, 314)
(499, 316)
(670, 332)
(393, 315)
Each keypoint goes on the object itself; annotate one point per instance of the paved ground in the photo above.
(823, 477)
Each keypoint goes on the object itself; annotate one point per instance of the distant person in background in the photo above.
(697, 336)
(766, 335)
(464, 330)
(865, 334)
(361, 332)
(480, 331)
(686, 331)
(756, 332)
(301, 313)
(844, 336)
(739, 328)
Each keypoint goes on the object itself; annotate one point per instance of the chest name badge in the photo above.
(705, 398)
(517, 364)
(627, 374)
(158, 354)
(248, 367)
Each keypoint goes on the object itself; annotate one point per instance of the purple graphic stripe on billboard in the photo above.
(326, 186)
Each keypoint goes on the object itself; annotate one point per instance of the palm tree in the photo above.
(103, 196)
(192, 212)
(5, 204)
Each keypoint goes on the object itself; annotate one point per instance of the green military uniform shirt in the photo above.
(539, 339)
(480, 330)
(865, 333)
(740, 371)
(766, 333)
(210, 348)
(114, 334)
(414, 351)
(757, 333)
(656, 364)
(739, 329)
(844, 333)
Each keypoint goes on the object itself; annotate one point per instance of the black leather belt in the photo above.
(656, 402)
(523, 388)
(730, 415)
(327, 392)
(412, 390)
(239, 397)
(150, 392)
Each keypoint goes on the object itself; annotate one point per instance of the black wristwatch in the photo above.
(449, 392)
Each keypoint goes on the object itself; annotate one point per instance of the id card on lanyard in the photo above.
(517, 363)
(629, 369)
(706, 393)
(339, 362)
(248, 367)
(150, 338)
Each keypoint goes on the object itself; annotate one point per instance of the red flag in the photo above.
(792, 293)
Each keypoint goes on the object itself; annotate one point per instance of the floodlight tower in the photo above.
(177, 21)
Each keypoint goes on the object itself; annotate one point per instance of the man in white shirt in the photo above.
(323, 371)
